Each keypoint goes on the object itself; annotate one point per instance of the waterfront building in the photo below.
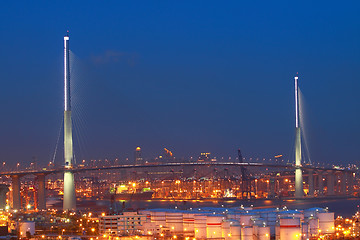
(129, 223)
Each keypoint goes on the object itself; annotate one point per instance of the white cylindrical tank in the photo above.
(257, 221)
(234, 215)
(174, 221)
(188, 221)
(271, 217)
(245, 219)
(277, 232)
(213, 226)
(235, 230)
(313, 226)
(305, 230)
(311, 212)
(267, 212)
(159, 217)
(290, 228)
(272, 228)
(247, 233)
(26, 226)
(326, 222)
(263, 233)
(200, 225)
(225, 229)
(290, 213)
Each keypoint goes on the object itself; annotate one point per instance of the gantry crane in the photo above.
(245, 179)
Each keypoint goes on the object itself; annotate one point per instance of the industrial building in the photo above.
(129, 223)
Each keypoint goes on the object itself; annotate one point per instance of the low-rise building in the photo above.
(128, 223)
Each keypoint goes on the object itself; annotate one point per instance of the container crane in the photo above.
(245, 178)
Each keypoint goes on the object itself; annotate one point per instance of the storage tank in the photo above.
(263, 233)
(188, 221)
(311, 212)
(245, 219)
(266, 213)
(213, 226)
(26, 226)
(271, 221)
(246, 233)
(200, 225)
(271, 217)
(235, 230)
(234, 215)
(313, 226)
(159, 217)
(277, 231)
(290, 228)
(225, 228)
(326, 222)
(257, 222)
(305, 230)
(174, 221)
(290, 213)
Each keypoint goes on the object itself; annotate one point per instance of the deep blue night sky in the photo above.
(191, 76)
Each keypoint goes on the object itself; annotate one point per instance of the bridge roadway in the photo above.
(346, 176)
(186, 164)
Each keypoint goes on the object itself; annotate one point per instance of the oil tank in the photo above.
(234, 215)
(311, 212)
(213, 226)
(247, 233)
(290, 228)
(290, 213)
(313, 226)
(245, 219)
(271, 222)
(326, 222)
(200, 225)
(188, 221)
(305, 230)
(235, 230)
(159, 217)
(174, 221)
(263, 233)
(225, 228)
(277, 231)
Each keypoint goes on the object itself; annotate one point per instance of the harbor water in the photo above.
(342, 207)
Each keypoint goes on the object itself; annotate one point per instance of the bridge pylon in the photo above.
(299, 188)
(69, 183)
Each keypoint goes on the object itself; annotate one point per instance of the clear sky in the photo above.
(191, 76)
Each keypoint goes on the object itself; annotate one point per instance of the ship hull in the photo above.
(134, 196)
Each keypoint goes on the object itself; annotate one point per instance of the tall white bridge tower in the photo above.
(299, 188)
(69, 183)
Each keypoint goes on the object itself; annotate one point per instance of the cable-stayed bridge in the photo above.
(341, 178)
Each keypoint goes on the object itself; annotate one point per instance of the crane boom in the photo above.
(244, 175)
(245, 178)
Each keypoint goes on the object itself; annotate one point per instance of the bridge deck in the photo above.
(196, 164)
